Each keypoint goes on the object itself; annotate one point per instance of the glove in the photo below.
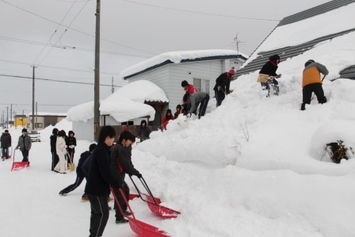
(71, 146)
(219, 88)
(139, 175)
(278, 76)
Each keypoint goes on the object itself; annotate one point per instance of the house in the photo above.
(168, 70)
(299, 33)
(127, 106)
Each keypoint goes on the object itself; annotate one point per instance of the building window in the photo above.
(202, 85)
(128, 123)
(38, 125)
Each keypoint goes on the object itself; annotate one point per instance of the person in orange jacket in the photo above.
(312, 82)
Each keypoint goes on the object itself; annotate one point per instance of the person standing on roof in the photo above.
(197, 99)
(312, 82)
(188, 88)
(268, 74)
(222, 85)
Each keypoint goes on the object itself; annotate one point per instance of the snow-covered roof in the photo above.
(125, 104)
(178, 57)
(298, 37)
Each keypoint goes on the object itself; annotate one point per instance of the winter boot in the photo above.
(303, 106)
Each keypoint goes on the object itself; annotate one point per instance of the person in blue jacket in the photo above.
(79, 172)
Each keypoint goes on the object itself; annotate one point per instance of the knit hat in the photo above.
(309, 62)
(232, 72)
(274, 57)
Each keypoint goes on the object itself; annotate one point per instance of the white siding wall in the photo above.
(169, 77)
(158, 76)
(84, 130)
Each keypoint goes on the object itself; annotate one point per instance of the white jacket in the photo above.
(60, 146)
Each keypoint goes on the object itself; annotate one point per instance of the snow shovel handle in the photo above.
(145, 185)
(323, 77)
(146, 188)
(124, 199)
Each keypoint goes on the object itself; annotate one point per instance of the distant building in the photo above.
(42, 120)
(200, 68)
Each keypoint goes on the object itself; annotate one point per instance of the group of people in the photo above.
(311, 79)
(62, 150)
(24, 144)
(191, 101)
(105, 166)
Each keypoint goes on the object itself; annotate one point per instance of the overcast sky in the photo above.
(58, 37)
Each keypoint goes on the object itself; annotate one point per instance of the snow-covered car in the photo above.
(35, 135)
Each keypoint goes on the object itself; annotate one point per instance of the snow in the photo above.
(125, 104)
(176, 57)
(253, 167)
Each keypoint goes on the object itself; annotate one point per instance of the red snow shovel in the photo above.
(18, 165)
(154, 202)
(140, 228)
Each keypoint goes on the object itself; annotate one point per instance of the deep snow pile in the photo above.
(252, 167)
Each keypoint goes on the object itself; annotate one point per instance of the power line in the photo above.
(55, 32)
(24, 41)
(54, 80)
(81, 32)
(59, 68)
(201, 13)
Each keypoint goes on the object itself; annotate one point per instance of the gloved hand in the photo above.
(71, 146)
(278, 76)
(139, 175)
(219, 88)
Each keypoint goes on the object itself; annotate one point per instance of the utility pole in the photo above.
(11, 115)
(113, 87)
(36, 113)
(7, 117)
(97, 72)
(33, 97)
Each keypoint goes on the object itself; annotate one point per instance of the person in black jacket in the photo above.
(5, 144)
(79, 173)
(144, 131)
(70, 141)
(222, 85)
(121, 164)
(99, 180)
(268, 74)
(53, 141)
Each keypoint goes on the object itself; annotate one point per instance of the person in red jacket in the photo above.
(166, 118)
(188, 88)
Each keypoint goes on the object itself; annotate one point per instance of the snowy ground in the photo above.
(252, 167)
